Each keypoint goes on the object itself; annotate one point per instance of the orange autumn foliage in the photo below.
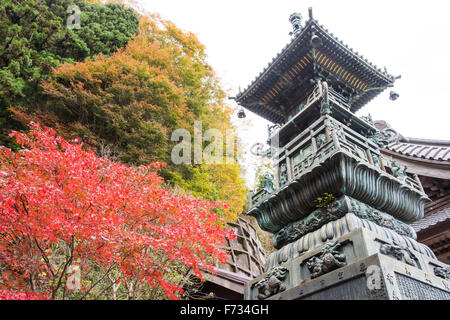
(131, 102)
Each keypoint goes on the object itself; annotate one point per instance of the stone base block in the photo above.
(360, 265)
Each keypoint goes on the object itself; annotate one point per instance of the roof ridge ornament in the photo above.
(296, 20)
(310, 13)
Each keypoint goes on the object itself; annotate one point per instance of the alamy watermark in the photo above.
(211, 146)
(74, 277)
(205, 147)
(373, 275)
(74, 18)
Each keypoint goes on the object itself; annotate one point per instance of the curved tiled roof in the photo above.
(422, 149)
(345, 47)
(428, 152)
(294, 65)
(432, 219)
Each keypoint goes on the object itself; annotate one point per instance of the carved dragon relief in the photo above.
(442, 272)
(272, 283)
(325, 104)
(329, 258)
(401, 254)
(334, 211)
(398, 171)
(334, 126)
(283, 174)
(384, 137)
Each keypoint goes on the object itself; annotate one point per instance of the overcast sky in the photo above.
(410, 38)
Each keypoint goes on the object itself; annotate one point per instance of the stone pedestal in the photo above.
(359, 265)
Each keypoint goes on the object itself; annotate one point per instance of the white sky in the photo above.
(410, 38)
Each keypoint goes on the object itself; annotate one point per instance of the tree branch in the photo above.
(98, 281)
(63, 273)
(46, 259)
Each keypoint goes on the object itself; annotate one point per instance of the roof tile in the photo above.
(421, 151)
(432, 219)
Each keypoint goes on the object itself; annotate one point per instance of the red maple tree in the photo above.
(62, 206)
(11, 295)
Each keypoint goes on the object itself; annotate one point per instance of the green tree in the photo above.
(35, 39)
(106, 28)
(130, 103)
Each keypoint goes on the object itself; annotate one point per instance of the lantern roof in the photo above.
(313, 53)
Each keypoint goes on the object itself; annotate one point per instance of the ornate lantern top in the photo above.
(314, 54)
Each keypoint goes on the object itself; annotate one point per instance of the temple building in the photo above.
(246, 262)
(430, 161)
(344, 204)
